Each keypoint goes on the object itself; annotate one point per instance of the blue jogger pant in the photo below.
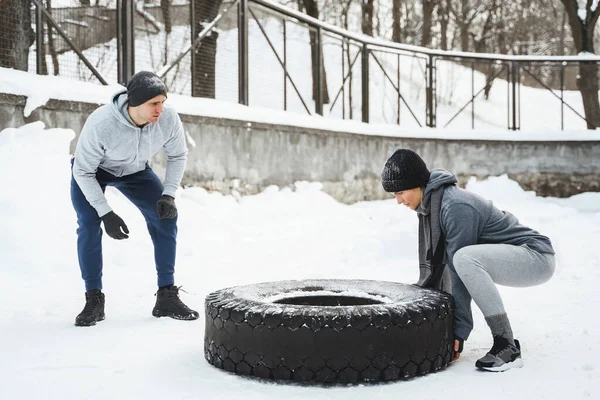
(143, 189)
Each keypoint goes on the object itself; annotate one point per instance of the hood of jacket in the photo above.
(438, 178)
(118, 107)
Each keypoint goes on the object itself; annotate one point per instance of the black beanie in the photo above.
(144, 86)
(403, 171)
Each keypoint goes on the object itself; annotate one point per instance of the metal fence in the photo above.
(259, 53)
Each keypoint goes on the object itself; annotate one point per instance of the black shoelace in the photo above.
(173, 294)
(90, 304)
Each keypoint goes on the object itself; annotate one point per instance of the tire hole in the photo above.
(328, 301)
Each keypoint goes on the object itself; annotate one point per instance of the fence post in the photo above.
(243, 52)
(430, 120)
(319, 71)
(562, 93)
(39, 39)
(193, 35)
(126, 41)
(513, 67)
(284, 65)
(472, 94)
(365, 83)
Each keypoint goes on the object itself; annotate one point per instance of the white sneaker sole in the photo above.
(518, 363)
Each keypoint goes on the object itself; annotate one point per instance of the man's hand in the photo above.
(114, 226)
(458, 348)
(166, 207)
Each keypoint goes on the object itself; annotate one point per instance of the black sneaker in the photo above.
(503, 355)
(93, 310)
(168, 304)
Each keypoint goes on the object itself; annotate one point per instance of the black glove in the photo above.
(166, 207)
(114, 226)
(461, 343)
(458, 347)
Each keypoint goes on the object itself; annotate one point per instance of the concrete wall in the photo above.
(228, 155)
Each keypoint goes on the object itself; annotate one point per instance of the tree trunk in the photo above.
(16, 35)
(502, 45)
(165, 6)
(583, 37)
(428, 7)
(51, 46)
(444, 17)
(312, 9)
(588, 86)
(367, 17)
(464, 37)
(461, 17)
(205, 56)
(397, 21)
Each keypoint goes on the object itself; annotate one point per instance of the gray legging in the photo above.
(480, 266)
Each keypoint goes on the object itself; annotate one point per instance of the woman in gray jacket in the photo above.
(481, 245)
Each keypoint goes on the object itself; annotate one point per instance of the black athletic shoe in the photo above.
(168, 304)
(93, 310)
(503, 355)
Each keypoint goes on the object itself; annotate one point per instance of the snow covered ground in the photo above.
(278, 234)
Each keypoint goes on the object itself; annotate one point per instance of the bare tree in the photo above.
(480, 44)
(500, 28)
(464, 15)
(165, 6)
(582, 29)
(205, 56)
(367, 10)
(444, 19)
(397, 21)
(486, 32)
(312, 9)
(428, 7)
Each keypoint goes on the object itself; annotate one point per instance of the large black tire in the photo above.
(332, 331)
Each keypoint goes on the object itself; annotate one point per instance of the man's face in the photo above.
(410, 198)
(151, 110)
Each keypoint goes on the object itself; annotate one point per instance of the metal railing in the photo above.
(277, 57)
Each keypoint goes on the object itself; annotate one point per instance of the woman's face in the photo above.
(410, 198)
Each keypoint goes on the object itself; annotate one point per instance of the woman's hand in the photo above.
(458, 348)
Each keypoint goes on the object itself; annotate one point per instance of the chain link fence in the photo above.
(259, 53)
(161, 33)
(16, 33)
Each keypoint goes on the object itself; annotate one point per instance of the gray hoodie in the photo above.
(111, 141)
(467, 219)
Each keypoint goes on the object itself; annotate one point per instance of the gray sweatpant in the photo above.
(481, 266)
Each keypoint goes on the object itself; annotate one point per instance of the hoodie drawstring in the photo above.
(137, 148)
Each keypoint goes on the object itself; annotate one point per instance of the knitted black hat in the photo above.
(403, 171)
(144, 86)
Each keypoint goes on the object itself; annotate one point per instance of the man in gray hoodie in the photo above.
(481, 246)
(114, 148)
